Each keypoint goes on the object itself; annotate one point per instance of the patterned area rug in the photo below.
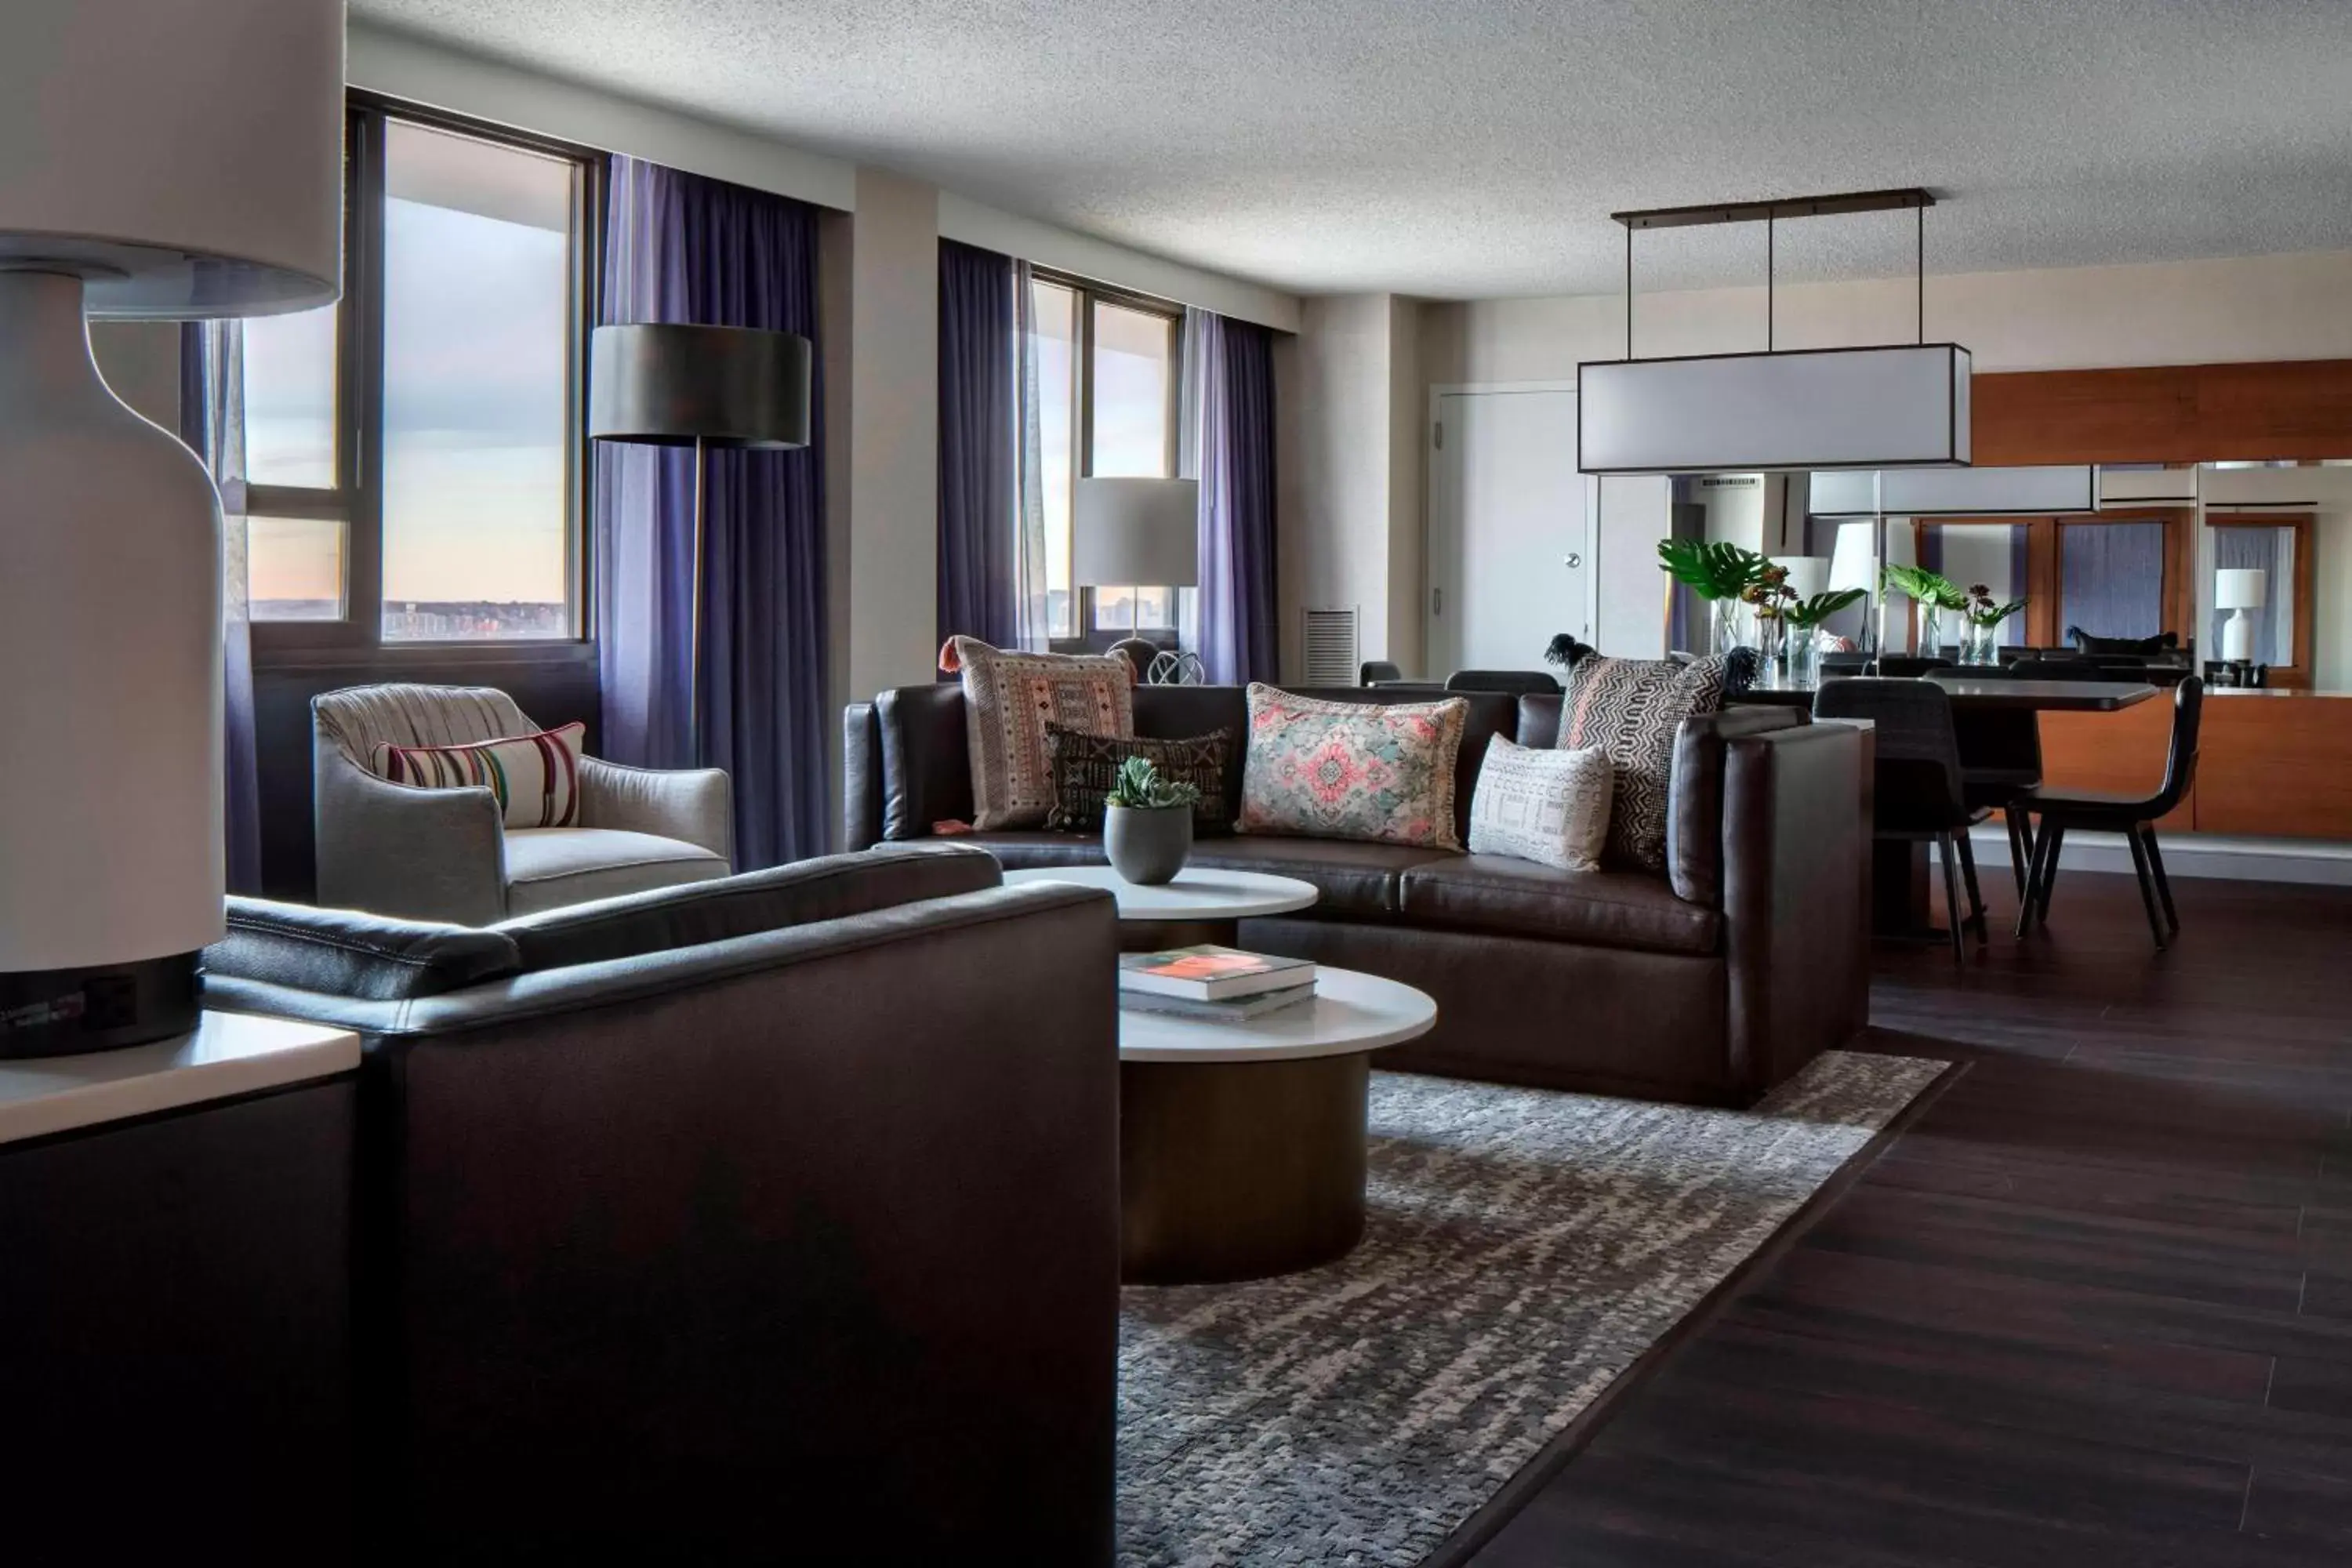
(1524, 1247)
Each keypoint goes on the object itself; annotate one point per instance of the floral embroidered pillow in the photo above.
(1383, 775)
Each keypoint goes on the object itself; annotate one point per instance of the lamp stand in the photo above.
(693, 634)
(2237, 636)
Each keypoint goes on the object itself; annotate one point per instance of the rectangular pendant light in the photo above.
(2036, 491)
(1903, 406)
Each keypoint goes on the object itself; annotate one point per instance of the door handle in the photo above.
(1572, 560)
(1437, 601)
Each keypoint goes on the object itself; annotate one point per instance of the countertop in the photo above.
(230, 1054)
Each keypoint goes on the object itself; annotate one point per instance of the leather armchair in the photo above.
(446, 854)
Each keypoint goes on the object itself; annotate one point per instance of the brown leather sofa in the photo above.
(1708, 983)
(758, 1220)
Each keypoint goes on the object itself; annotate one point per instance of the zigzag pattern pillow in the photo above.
(1630, 709)
(536, 777)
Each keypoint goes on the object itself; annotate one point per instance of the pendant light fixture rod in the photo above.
(1629, 290)
(1769, 232)
(1923, 274)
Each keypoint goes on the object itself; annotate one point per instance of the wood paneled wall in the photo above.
(2165, 414)
(2269, 764)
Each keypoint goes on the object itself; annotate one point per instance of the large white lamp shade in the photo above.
(2239, 589)
(165, 158)
(1808, 574)
(1126, 531)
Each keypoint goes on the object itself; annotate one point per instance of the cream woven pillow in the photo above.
(1551, 808)
(1009, 699)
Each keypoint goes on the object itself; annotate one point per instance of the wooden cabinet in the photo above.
(2269, 764)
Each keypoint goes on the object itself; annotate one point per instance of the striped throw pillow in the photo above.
(535, 777)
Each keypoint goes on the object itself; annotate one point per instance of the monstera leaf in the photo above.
(1926, 587)
(1821, 607)
(1716, 571)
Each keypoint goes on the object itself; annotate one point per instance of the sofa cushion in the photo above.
(1382, 775)
(1084, 767)
(1549, 806)
(1606, 909)
(1034, 848)
(1353, 878)
(1632, 709)
(547, 868)
(831, 886)
(1009, 699)
(367, 958)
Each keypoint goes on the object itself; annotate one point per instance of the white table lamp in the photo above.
(1128, 532)
(2239, 589)
(166, 160)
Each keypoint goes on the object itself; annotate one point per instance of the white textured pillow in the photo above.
(1551, 808)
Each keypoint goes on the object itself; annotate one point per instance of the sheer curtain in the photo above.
(681, 248)
(212, 423)
(1034, 630)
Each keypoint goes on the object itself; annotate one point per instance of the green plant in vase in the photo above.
(1933, 594)
(1768, 599)
(1718, 572)
(1148, 823)
(1981, 644)
(1805, 618)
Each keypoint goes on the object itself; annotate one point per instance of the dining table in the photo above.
(1899, 887)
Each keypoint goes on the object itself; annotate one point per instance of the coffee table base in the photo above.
(1239, 1170)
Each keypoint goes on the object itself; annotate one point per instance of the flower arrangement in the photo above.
(1139, 787)
(1770, 594)
(1983, 610)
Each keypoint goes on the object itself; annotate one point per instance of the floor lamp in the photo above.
(669, 385)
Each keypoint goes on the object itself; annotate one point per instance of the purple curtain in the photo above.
(1237, 634)
(212, 424)
(978, 590)
(2112, 577)
(681, 247)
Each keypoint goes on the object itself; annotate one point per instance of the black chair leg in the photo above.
(2147, 886)
(2053, 839)
(1976, 895)
(2019, 851)
(1952, 921)
(2030, 902)
(2163, 882)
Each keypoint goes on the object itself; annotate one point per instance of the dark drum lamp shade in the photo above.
(659, 383)
(683, 385)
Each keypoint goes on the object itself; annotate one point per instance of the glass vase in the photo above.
(1980, 643)
(1930, 643)
(1771, 644)
(1725, 630)
(1804, 658)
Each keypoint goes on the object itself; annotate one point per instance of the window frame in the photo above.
(2304, 589)
(357, 499)
(1086, 638)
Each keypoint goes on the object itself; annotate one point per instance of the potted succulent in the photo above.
(1148, 823)
(1933, 594)
(1981, 642)
(1717, 572)
(1805, 618)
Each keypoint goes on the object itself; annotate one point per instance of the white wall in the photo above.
(893, 434)
(2186, 312)
(1332, 531)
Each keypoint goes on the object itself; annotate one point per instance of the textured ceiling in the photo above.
(1465, 148)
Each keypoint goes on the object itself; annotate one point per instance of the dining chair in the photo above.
(1921, 794)
(2001, 759)
(2133, 817)
(1909, 665)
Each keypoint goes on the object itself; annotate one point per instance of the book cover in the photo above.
(1210, 974)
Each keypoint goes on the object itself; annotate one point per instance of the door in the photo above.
(1509, 552)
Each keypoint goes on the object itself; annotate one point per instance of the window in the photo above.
(413, 456)
(1107, 389)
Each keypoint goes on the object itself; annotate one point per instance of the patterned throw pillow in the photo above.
(1083, 767)
(1631, 708)
(1010, 699)
(535, 777)
(1551, 808)
(1351, 770)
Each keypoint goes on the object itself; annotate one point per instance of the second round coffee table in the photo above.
(1201, 905)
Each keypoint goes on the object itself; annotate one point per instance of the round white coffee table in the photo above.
(1200, 905)
(1241, 1145)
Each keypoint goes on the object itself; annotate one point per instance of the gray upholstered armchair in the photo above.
(447, 855)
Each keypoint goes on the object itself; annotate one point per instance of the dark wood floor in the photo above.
(2094, 1308)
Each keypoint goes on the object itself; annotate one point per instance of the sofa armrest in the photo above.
(695, 804)
(839, 1204)
(1796, 852)
(396, 849)
(861, 777)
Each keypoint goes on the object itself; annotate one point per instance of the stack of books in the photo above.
(1218, 984)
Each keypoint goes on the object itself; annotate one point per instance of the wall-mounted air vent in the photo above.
(1328, 641)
